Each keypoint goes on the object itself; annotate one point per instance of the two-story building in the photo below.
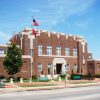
(50, 53)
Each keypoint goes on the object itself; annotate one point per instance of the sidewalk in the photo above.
(60, 85)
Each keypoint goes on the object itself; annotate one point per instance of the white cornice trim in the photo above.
(2, 55)
(26, 56)
(58, 56)
(4, 45)
(97, 59)
(93, 59)
(90, 59)
(23, 56)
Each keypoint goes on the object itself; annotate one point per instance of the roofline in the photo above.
(4, 45)
(93, 59)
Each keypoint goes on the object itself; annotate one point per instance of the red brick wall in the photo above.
(25, 69)
(53, 41)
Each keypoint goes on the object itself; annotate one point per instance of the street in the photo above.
(81, 93)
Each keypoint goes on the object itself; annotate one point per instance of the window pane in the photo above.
(67, 67)
(67, 52)
(39, 49)
(75, 67)
(39, 67)
(58, 50)
(75, 52)
(49, 50)
(49, 68)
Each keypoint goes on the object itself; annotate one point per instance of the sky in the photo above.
(77, 17)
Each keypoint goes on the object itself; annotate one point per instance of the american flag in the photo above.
(35, 23)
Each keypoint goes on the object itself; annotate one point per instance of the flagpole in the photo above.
(32, 46)
(31, 73)
(31, 54)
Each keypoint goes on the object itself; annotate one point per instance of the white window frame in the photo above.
(67, 51)
(58, 50)
(75, 67)
(39, 67)
(49, 67)
(67, 67)
(49, 50)
(74, 51)
(39, 49)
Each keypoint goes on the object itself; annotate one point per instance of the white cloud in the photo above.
(60, 10)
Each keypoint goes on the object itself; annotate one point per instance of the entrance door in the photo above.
(58, 68)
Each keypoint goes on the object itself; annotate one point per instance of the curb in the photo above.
(10, 90)
(84, 85)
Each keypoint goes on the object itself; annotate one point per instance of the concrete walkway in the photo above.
(68, 84)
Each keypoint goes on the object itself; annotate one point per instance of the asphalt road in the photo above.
(82, 93)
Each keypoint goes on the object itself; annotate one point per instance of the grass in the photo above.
(27, 80)
(38, 85)
(81, 82)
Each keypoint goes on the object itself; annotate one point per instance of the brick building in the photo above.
(93, 66)
(49, 53)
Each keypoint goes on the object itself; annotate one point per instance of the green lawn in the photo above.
(38, 85)
(80, 82)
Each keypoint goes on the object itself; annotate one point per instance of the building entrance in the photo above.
(58, 68)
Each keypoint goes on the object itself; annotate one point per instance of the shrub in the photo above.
(63, 75)
(34, 77)
(97, 76)
(84, 76)
(18, 78)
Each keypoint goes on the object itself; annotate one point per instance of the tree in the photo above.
(13, 60)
